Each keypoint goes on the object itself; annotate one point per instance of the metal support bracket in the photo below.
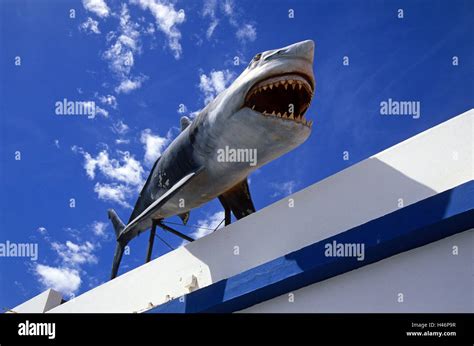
(151, 240)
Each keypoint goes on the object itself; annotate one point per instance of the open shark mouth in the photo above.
(284, 96)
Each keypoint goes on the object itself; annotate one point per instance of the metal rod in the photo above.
(227, 216)
(119, 247)
(150, 242)
(175, 232)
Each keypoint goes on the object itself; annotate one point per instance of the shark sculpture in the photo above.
(262, 111)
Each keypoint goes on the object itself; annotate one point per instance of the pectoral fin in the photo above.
(238, 200)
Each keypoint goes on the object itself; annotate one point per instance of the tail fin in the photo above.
(116, 222)
(118, 228)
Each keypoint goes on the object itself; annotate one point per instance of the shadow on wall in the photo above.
(352, 197)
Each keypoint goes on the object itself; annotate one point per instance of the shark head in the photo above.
(264, 108)
(279, 83)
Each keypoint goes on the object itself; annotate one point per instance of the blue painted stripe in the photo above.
(418, 224)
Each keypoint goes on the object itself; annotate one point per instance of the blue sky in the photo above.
(140, 60)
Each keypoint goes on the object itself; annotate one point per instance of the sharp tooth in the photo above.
(279, 114)
(271, 86)
(284, 115)
(310, 123)
(291, 81)
(265, 88)
(286, 86)
(301, 86)
(294, 86)
(291, 116)
(265, 112)
(273, 113)
(253, 107)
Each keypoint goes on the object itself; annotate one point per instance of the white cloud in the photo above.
(120, 57)
(117, 193)
(128, 85)
(247, 32)
(66, 277)
(62, 279)
(121, 53)
(109, 100)
(99, 7)
(214, 83)
(153, 145)
(124, 172)
(122, 141)
(212, 8)
(284, 189)
(73, 254)
(125, 169)
(167, 19)
(120, 127)
(228, 7)
(150, 29)
(211, 28)
(209, 10)
(209, 225)
(101, 111)
(99, 227)
(90, 26)
(56, 143)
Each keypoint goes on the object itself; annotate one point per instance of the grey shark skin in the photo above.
(262, 110)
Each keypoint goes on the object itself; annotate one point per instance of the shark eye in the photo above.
(257, 57)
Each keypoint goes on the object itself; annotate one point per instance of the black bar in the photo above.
(291, 329)
(175, 232)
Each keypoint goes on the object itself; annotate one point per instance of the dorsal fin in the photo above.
(185, 121)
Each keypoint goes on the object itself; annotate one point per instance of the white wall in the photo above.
(431, 278)
(412, 170)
